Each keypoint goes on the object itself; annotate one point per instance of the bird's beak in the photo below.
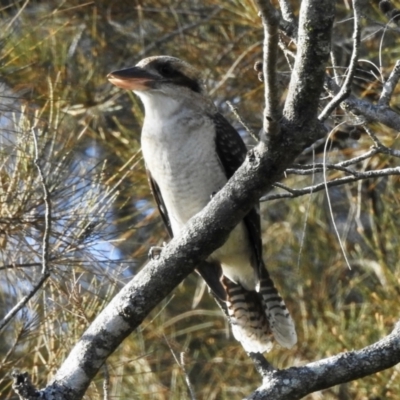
(134, 78)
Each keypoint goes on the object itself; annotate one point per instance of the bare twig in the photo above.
(345, 90)
(315, 170)
(47, 214)
(11, 314)
(15, 265)
(329, 202)
(335, 67)
(16, 16)
(242, 122)
(181, 364)
(380, 146)
(188, 383)
(345, 163)
(390, 85)
(308, 169)
(106, 382)
(292, 193)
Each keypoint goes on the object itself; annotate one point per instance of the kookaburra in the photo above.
(190, 151)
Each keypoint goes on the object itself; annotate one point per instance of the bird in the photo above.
(190, 151)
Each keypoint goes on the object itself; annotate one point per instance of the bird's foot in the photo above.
(258, 67)
(155, 252)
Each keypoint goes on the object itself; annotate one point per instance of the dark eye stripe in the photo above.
(184, 81)
(172, 75)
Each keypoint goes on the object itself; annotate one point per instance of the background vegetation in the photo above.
(54, 57)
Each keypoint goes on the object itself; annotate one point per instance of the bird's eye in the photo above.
(166, 70)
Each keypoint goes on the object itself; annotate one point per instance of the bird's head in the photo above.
(159, 74)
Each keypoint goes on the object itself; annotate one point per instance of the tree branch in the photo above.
(313, 49)
(270, 21)
(292, 193)
(390, 85)
(47, 203)
(296, 382)
(366, 111)
(13, 312)
(345, 90)
(372, 113)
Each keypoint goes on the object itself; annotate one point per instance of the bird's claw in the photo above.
(155, 252)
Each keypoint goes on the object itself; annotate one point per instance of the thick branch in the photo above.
(294, 383)
(372, 113)
(313, 49)
(369, 112)
(270, 19)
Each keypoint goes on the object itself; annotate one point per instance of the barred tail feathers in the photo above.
(278, 316)
(257, 317)
(248, 319)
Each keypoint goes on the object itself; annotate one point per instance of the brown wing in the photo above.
(232, 152)
(160, 202)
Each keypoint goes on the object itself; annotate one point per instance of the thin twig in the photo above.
(240, 119)
(380, 146)
(308, 169)
(390, 85)
(328, 198)
(181, 365)
(10, 315)
(16, 16)
(15, 265)
(335, 67)
(47, 203)
(188, 383)
(292, 193)
(345, 163)
(305, 223)
(314, 170)
(345, 90)
(106, 382)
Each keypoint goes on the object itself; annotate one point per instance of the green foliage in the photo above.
(54, 59)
